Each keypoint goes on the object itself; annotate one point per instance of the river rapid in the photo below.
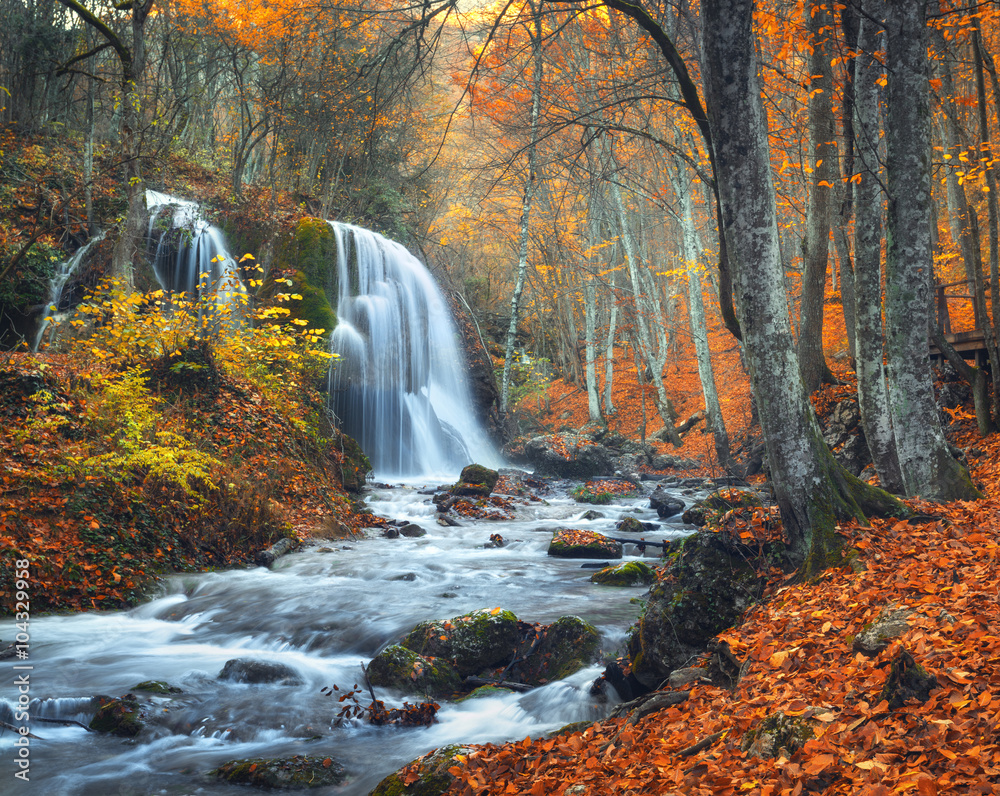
(322, 611)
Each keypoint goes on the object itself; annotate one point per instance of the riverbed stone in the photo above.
(428, 775)
(412, 530)
(665, 504)
(583, 544)
(476, 481)
(290, 773)
(628, 573)
(473, 643)
(402, 669)
(255, 672)
(630, 524)
(121, 716)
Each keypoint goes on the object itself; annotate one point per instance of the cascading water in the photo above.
(399, 385)
(58, 283)
(192, 255)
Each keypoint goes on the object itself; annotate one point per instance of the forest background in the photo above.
(552, 164)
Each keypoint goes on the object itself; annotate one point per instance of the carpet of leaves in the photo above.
(943, 564)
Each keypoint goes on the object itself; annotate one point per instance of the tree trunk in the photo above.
(813, 492)
(873, 397)
(823, 157)
(590, 368)
(529, 192)
(609, 347)
(928, 468)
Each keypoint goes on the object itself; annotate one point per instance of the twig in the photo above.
(63, 721)
(704, 743)
(12, 728)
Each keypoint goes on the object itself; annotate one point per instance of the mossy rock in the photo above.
(156, 687)
(628, 573)
(354, 464)
(566, 646)
(121, 717)
(474, 642)
(433, 777)
(292, 773)
(714, 581)
(405, 670)
(776, 735)
(583, 544)
(477, 478)
(312, 249)
(314, 306)
(723, 500)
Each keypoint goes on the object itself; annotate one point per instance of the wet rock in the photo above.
(583, 544)
(156, 687)
(122, 716)
(408, 577)
(630, 573)
(696, 515)
(713, 583)
(473, 642)
(568, 455)
(591, 514)
(692, 674)
(391, 533)
(265, 558)
(665, 504)
(485, 691)
(564, 647)
(254, 672)
(432, 777)
(402, 669)
(630, 525)
(663, 462)
(292, 773)
(412, 530)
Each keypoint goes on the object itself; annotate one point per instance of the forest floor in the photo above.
(942, 567)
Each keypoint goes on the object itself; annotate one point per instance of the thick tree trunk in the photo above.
(928, 468)
(590, 364)
(873, 397)
(823, 157)
(813, 492)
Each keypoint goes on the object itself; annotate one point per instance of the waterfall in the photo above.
(399, 386)
(191, 256)
(56, 285)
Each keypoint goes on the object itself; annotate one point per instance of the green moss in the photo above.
(630, 573)
(156, 687)
(582, 494)
(777, 734)
(312, 249)
(486, 691)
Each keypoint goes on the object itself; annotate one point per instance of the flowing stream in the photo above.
(323, 611)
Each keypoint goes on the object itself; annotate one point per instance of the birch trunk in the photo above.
(928, 468)
(529, 192)
(873, 397)
(609, 348)
(590, 367)
(813, 492)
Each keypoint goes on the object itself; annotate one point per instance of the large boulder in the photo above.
(712, 583)
(292, 773)
(568, 455)
(472, 643)
(404, 670)
(583, 544)
(476, 481)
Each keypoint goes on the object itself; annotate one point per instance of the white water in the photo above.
(195, 260)
(58, 283)
(323, 612)
(399, 386)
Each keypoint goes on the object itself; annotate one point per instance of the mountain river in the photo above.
(323, 611)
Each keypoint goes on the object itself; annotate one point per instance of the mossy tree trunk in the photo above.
(928, 468)
(813, 492)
